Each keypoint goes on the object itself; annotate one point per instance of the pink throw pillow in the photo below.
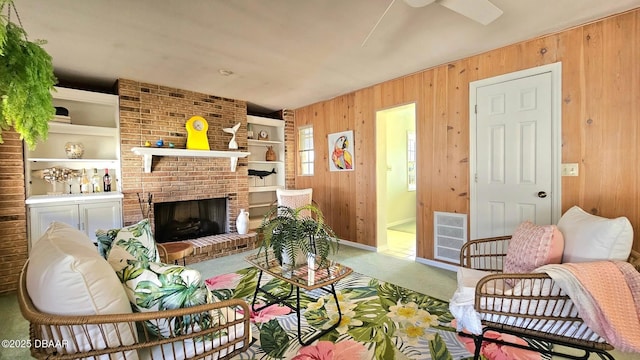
(532, 246)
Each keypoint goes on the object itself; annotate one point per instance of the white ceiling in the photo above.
(284, 54)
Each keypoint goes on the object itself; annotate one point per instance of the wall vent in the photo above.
(449, 234)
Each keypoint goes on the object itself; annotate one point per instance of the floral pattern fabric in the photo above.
(136, 239)
(379, 321)
(153, 286)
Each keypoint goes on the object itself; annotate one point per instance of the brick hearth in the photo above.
(215, 246)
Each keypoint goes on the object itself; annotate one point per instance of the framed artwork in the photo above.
(341, 155)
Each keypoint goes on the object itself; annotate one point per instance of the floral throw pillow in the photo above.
(532, 246)
(156, 286)
(136, 239)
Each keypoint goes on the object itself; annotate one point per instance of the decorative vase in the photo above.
(74, 150)
(242, 222)
(270, 155)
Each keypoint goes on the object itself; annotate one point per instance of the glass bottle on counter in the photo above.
(85, 185)
(106, 181)
(96, 182)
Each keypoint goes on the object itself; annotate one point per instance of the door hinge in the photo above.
(475, 178)
(475, 110)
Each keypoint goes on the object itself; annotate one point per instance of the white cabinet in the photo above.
(87, 216)
(265, 176)
(93, 121)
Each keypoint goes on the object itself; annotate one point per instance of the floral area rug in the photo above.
(380, 321)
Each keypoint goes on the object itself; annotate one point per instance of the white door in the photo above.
(513, 155)
(100, 215)
(40, 217)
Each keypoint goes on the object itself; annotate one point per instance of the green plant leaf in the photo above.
(26, 82)
(438, 349)
(274, 339)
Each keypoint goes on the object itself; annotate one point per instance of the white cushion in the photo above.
(588, 237)
(67, 276)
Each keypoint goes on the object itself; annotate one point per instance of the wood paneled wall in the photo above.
(600, 115)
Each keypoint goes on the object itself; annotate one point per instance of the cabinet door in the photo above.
(40, 217)
(100, 215)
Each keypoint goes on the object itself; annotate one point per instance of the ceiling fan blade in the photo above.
(419, 3)
(481, 11)
(378, 22)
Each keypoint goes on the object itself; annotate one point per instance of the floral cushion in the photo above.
(532, 246)
(136, 239)
(153, 286)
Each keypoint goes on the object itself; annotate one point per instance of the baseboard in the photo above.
(400, 222)
(438, 264)
(359, 246)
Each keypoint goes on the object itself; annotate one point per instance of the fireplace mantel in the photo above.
(148, 152)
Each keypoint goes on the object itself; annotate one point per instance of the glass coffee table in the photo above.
(307, 277)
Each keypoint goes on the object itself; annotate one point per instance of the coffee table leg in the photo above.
(323, 332)
(255, 294)
(274, 299)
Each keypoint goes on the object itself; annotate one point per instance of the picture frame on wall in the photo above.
(341, 154)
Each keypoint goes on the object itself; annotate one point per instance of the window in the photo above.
(305, 151)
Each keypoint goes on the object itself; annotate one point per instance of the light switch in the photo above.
(570, 169)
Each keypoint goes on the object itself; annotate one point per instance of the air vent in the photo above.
(449, 233)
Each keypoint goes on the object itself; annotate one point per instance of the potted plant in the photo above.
(293, 234)
(26, 82)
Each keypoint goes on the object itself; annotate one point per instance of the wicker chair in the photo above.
(568, 328)
(222, 341)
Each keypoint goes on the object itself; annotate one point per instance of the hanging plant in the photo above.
(26, 81)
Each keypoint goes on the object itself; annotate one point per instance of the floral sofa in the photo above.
(121, 302)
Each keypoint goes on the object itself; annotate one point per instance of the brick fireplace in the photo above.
(151, 112)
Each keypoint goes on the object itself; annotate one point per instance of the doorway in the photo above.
(396, 181)
(515, 150)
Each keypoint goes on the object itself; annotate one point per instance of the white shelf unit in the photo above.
(262, 191)
(93, 121)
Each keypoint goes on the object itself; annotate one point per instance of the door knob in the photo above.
(542, 194)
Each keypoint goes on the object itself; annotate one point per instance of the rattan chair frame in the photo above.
(488, 255)
(43, 327)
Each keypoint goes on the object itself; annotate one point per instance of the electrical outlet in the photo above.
(570, 169)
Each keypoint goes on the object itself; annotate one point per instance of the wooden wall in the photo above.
(600, 115)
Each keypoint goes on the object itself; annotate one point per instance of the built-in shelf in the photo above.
(75, 198)
(66, 160)
(149, 152)
(264, 142)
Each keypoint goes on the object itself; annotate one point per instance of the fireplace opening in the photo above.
(183, 220)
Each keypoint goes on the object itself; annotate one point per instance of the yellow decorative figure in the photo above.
(197, 133)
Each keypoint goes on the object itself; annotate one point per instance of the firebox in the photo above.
(190, 219)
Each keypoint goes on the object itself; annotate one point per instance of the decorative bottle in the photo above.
(85, 185)
(95, 182)
(242, 222)
(106, 181)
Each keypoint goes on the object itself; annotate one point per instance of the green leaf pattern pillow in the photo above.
(156, 286)
(136, 239)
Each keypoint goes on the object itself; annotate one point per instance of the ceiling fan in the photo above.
(481, 11)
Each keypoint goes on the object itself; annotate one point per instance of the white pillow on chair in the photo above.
(67, 276)
(295, 198)
(589, 237)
